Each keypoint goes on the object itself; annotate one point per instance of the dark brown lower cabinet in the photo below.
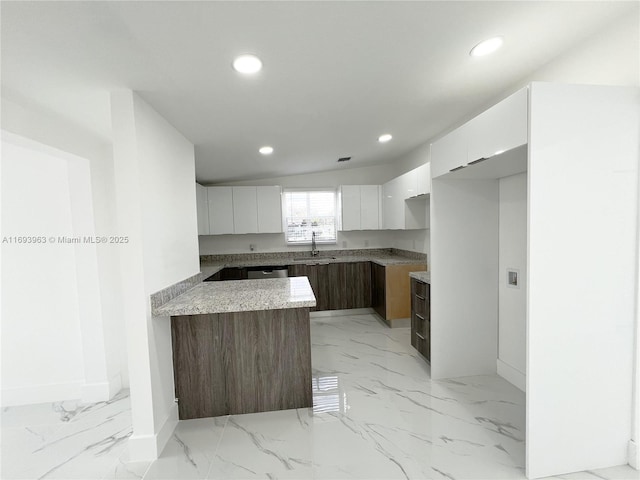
(318, 279)
(244, 362)
(421, 317)
(378, 290)
(349, 285)
(337, 286)
(230, 273)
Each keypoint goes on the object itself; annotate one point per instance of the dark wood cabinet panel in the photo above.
(421, 317)
(323, 298)
(318, 285)
(233, 273)
(243, 362)
(229, 273)
(337, 286)
(198, 367)
(378, 293)
(358, 284)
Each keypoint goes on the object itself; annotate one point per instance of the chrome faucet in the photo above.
(314, 250)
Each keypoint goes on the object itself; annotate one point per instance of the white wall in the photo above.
(634, 447)
(414, 158)
(414, 240)
(610, 57)
(155, 185)
(583, 167)
(42, 355)
(512, 302)
(464, 289)
(372, 175)
(84, 150)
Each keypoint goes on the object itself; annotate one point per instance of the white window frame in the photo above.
(285, 225)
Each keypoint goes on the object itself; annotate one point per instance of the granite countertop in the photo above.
(241, 296)
(421, 276)
(209, 269)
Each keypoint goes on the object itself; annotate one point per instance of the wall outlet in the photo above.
(344, 244)
(366, 243)
(513, 275)
(252, 247)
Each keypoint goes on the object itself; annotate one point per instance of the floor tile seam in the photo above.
(215, 451)
(146, 471)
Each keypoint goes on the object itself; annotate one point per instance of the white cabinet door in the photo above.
(450, 152)
(501, 128)
(269, 209)
(423, 173)
(245, 210)
(408, 184)
(202, 209)
(387, 210)
(220, 202)
(393, 205)
(350, 207)
(369, 207)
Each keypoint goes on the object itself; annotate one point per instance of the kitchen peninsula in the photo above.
(241, 347)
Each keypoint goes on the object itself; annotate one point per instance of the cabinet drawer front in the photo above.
(421, 289)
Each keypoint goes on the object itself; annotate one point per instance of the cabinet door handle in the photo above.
(420, 336)
(481, 159)
(457, 168)
(420, 316)
(420, 297)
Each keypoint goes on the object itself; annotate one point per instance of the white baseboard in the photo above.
(148, 447)
(56, 392)
(634, 455)
(512, 375)
(102, 391)
(341, 313)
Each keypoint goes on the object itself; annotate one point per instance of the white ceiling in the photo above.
(336, 74)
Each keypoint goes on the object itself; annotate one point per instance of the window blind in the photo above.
(307, 212)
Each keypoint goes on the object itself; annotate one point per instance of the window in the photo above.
(310, 211)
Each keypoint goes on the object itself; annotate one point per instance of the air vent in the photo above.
(344, 159)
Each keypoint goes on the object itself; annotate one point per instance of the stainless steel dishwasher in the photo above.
(267, 272)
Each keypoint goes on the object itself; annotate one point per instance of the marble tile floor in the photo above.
(376, 415)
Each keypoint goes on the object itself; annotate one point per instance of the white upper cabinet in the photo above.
(404, 200)
(393, 204)
(220, 203)
(245, 210)
(501, 128)
(269, 209)
(202, 210)
(225, 210)
(423, 174)
(408, 184)
(351, 207)
(360, 207)
(449, 152)
(369, 207)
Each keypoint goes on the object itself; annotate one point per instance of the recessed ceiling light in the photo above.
(385, 138)
(266, 150)
(486, 47)
(247, 63)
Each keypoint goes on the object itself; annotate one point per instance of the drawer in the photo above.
(420, 307)
(421, 289)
